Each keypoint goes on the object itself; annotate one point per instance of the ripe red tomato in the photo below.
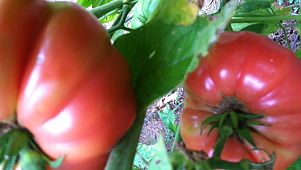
(247, 72)
(70, 88)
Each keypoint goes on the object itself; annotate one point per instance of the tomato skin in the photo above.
(265, 79)
(14, 46)
(71, 89)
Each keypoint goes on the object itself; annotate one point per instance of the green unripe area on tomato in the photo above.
(67, 85)
(246, 73)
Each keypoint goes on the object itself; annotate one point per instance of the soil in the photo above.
(292, 36)
(153, 126)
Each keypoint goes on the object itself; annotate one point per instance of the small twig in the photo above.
(177, 106)
(285, 35)
(119, 23)
(293, 5)
(294, 43)
(265, 18)
(282, 27)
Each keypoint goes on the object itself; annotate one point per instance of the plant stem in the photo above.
(272, 12)
(127, 146)
(285, 35)
(265, 18)
(103, 9)
(120, 24)
(293, 5)
(118, 18)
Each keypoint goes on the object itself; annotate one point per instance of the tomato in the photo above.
(69, 87)
(249, 73)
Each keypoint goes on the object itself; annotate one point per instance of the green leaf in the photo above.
(143, 12)
(269, 13)
(281, 11)
(161, 160)
(179, 12)
(92, 3)
(257, 27)
(160, 54)
(269, 28)
(296, 165)
(168, 118)
(144, 154)
(253, 5)
(241, 26)
(254, 28)
(272, 11)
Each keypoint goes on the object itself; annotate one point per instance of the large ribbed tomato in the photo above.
(69, 87)
(248, 73)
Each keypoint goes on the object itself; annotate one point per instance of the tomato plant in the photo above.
(68, 86)
(67, 96)
(251, 85)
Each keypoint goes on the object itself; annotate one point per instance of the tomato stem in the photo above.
(246, 19)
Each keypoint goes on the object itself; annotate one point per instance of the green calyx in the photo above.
(238, 124)
(18, 148)
(232, 124)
